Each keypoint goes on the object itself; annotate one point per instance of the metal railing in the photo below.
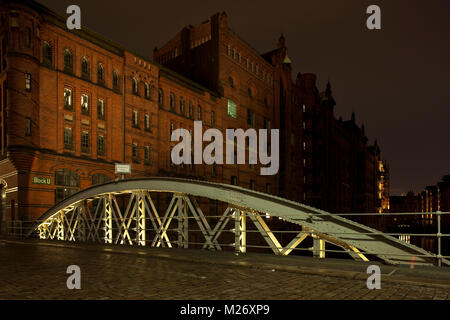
(18, 228)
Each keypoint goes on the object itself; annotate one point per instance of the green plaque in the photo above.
(41, 180)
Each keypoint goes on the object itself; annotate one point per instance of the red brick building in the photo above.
(73, 104)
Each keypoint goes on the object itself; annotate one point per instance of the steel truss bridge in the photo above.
(95, 215)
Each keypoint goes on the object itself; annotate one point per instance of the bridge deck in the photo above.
(123, 272)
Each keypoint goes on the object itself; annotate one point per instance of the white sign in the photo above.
(123, 168)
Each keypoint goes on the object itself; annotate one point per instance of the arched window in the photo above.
(231, 81)
(250, 93)
(172, 102)
(100, 178)
(68, 61)
(47, 54)
(147, 91)
(161, 97)
(67, 183)
(115, 80)
(135, 86)
(85, 68)
(100, 73)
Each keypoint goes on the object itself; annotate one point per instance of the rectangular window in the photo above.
(28, 131)
(85, 143)
(191, 110)
(213, 118)
(182, 105)
(292, 139)
(27, 81)
(234, 180)
(250, 118)
(68, 99)
(266, 124)
(147, 155)
(147, 123)
(252, 185)
(101, 145)
(199, 111)
(68, 138)
(135, 150)
(85, 104)
(135, 119)
(101, 109)
(231, 109)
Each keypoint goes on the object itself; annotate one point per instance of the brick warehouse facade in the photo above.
(73, 104)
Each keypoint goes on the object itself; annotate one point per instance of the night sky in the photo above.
(396, 80)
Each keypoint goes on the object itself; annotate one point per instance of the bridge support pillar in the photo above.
(318, 247)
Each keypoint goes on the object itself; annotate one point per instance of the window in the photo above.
(147, 155)
(199, 112)
(85, 104)
(101, 109)
(250, 118)
(100, 178)
(182, 105)
(135, 86)
(135, 150)
(246, 64)
(147, 91)
(267, 187)
(68, 138)
(148, 123)
(101, 145)
(161, 98)
(27, 38)
(252, 185)
(231, 81)
(304, 146)
(85, 142)
(239, 58)
(68, 61)
(115, 80)
(27, 81)
(67, 183)
(234, 180)
(231, 109)
(266, 102)
(191, 110)
(228, 50)
(28, 127)
(68, 99)
(213, 118)
(47, 55)
(172, 102)
(304, 108)
(250, 93)
(85, 68)
(171, 128)
(234, 54)
(292, 139)
(135, 119)
(266, 124)
(100, 74)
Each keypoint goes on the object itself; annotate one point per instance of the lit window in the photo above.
(147, 91)
(135, 118)
(27, 81)
(68, 98)
(231, 109)
(84, 68)
(135, 86)
(147, 122)
(101, 109)
(85, 104)
(304, 108)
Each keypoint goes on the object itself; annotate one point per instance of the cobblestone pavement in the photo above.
(39, 272)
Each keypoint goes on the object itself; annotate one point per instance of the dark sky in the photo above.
(396, 80)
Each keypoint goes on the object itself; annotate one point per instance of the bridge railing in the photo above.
(18, 228)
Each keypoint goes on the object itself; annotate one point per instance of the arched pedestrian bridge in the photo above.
(124, 212)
